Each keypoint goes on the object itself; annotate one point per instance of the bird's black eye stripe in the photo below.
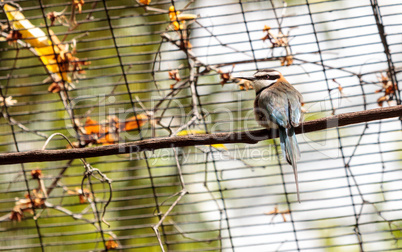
(267, 75)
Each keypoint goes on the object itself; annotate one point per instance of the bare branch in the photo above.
(250, 137)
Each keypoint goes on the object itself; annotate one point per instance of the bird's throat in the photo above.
(262, 89)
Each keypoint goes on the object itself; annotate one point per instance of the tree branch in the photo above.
(250, 137)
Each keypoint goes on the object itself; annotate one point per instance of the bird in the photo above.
(277, 105)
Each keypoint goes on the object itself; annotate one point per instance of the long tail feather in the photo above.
(290, 151)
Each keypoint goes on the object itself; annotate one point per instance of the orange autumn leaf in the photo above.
(387, 87)
(83, 195)
(287, 60)
(107, 133)
(381, 100)
(135, 122)
(174, 75)
(55, 87)
(266, 28)
(78, 5)
(244, 84)
(268, 35)
(107, 139)
(225, 77)
(145, 2)
(111, 244)
(16, 214)
(36, 174)
(92, 127)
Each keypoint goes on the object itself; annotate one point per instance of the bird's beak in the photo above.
(250, 78)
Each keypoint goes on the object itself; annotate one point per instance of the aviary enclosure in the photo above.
(124, 126)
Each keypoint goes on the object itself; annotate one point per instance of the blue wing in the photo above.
(295, 99)
(277, 106)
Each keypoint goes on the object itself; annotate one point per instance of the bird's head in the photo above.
(263, 78)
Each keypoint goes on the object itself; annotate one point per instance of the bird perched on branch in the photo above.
(278, 105)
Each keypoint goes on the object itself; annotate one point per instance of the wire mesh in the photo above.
(150, 74)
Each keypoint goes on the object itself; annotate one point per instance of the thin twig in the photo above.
(181, 193)
(156, 227)
(182, 232)
(220, 42)
(79, 216)
(89, 172)
(193, 87)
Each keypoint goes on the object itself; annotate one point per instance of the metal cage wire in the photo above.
(237, 196)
